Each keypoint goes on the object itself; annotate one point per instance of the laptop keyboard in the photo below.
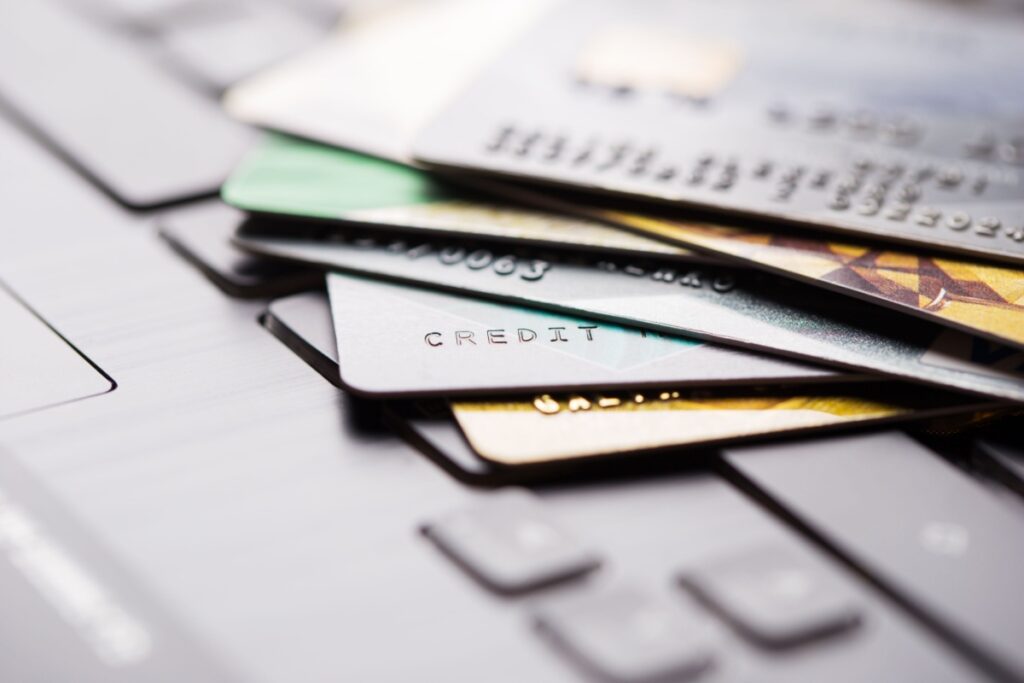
(928, 573)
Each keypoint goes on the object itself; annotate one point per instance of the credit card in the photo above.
(739, 308)
(286, 176)
(303, 323)
(895, 119)
(550, 428)
(397, 341)
(374, 85)
(978, 297)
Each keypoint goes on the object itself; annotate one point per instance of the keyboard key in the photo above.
(332, 11)
(142, 135)
(1008, 455)
(941, 542)
(510, 544)
(237, 41)
(302, 322)
(202, 234)
(429, 427)
(773, 596)
(1000, 458)
(624, 635)
(137, 14)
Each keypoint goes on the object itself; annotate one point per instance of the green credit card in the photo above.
(290, 177)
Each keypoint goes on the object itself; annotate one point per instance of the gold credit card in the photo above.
(549, 428)
(980, 298)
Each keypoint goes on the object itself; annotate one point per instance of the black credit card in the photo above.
(893, 119)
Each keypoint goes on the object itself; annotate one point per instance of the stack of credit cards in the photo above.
(587, 231)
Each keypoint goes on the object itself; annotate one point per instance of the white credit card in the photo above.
(377, 83)
(394, 340)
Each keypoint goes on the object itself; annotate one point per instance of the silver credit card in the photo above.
(732, 306)
(819, 115)
(395, 340)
